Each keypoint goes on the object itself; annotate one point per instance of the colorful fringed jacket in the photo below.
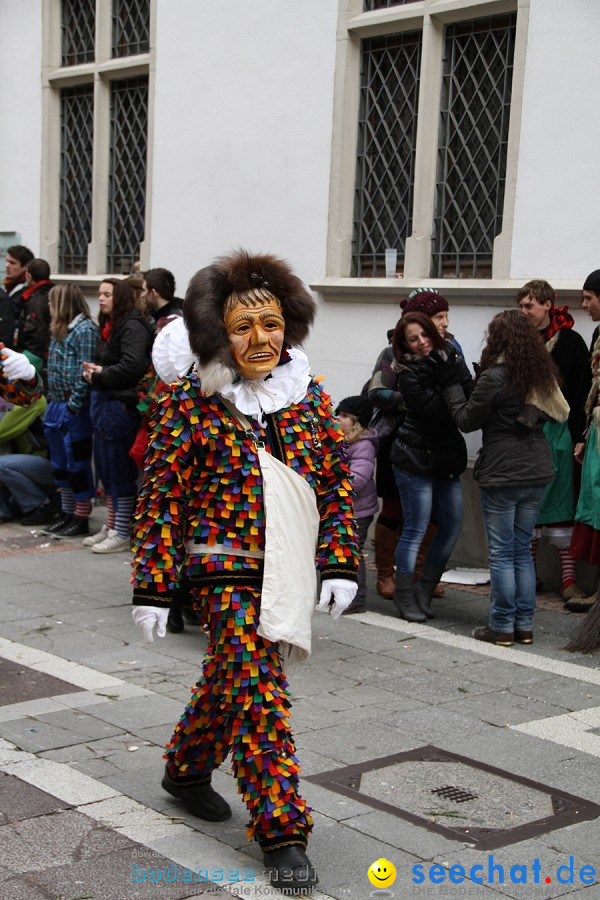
(20, 393)
(202, 489)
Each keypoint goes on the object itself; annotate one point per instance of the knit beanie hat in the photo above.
(359, 407)
(425, 300)
(592, 282)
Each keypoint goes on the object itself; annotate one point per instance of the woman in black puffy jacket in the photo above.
(515, 395)
(428, 455)
(122, 360)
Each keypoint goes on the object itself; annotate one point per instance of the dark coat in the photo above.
(8, 320)
(514, 449)
(124, 358)
(573, 362)
(34, 319)
(427, 441)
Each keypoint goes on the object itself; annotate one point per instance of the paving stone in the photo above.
(36, 733)
(403, 835)
(370, 696)
(100, 877)
(55, 840)
(137, 712)
(564, 693)
(347, 744)
(354, 853)
(437, 725)
(20, 800)
(21, 888)
(19, 683)
(504, 708)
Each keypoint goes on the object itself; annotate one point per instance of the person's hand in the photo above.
(89, 369)
(16, 366)
(443, 367)
(579, 452)
(337, 591)
(146, 617)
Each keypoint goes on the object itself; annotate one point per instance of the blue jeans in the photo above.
(25, 480)
(115, 429)
(509, 516)
(421, 499)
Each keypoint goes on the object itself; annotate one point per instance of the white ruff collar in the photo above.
(285, 385)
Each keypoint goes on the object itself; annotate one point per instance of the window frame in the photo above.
(430, 16)
(100, 73)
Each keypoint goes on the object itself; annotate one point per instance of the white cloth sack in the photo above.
(289, 589)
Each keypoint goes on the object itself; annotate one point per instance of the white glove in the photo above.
(149, 616)
(341, 590)
(16, 366)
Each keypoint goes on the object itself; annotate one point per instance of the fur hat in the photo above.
(425, 300)
(592, 282)
(240, 273)
(359, 407)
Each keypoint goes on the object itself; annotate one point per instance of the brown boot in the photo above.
(385, 552)
(438, 590)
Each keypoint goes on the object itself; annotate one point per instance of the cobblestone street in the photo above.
(419, 745)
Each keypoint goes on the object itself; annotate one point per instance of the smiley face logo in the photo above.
(381, 873)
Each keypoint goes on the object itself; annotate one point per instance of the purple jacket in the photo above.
(360, 457)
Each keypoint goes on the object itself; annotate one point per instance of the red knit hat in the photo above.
(424, 300)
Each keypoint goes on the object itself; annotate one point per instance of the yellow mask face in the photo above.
(256, 336)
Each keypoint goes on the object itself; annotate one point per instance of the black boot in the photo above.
(290, 869)
(426, 585)
(199, 798)
(175, 620)
(404, 598)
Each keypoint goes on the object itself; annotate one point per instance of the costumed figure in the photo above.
(244, 489)
(20, 383)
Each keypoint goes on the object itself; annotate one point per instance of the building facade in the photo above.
(461, 133)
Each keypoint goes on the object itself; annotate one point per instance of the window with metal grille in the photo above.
(78, 28)
(127, 178)
(76, 156)
(387, 131)
(475, 108)
(370, 5)
(131, 27)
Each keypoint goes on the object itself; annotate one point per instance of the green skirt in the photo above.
(559, 500)
(588, 507)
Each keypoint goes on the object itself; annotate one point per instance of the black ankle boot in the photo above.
(426, 585)
(199, 798)
(290, 869)
(404, 598)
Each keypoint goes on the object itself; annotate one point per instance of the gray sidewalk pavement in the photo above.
(460, 764)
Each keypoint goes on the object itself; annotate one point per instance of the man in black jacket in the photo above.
(33, 315)
(158, 292)
(569, 352)
(13, 285)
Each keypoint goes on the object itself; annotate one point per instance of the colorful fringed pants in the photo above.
(241, 704)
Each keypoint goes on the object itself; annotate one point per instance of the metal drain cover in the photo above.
(458, 797)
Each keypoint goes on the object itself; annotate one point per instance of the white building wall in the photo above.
(242, 131)
(21, 118)
(557, 216)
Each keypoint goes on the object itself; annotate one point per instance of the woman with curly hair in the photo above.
(515, 395)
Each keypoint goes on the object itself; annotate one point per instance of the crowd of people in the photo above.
(96, 379)
(249, 479)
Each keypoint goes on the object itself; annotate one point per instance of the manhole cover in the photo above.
(458, 797)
